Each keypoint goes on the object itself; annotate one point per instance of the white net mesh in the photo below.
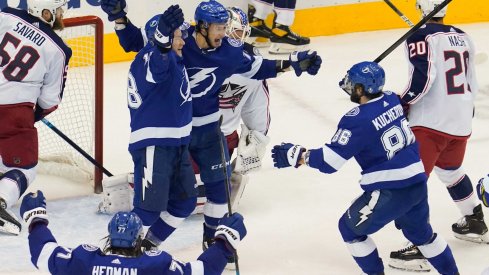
(75, 115)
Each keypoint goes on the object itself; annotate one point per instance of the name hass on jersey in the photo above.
(378, 136)
(442, 84)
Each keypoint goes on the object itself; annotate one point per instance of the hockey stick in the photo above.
(76, 147)
(398, 12)
(479, 57)
(227, 184)
(412, 30)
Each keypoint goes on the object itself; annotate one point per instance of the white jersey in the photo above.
(442, 84)
(247, 99)
(33, 60)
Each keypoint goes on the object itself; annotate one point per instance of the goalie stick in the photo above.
(227, 184)
(76, 147)
(479, 57)
(412, 30)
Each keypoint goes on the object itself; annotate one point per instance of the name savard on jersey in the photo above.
(29, 33)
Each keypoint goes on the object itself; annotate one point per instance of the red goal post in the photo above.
(80, 114)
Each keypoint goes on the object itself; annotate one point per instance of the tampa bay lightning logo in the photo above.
(202, 80)
(353, 112)
(185, 88)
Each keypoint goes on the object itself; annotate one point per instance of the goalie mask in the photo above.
(35, 8)
(427, 6)
(238, 26)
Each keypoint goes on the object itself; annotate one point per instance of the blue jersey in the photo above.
(378, 136)
(159, 100)
(47, 255)
(207, 70)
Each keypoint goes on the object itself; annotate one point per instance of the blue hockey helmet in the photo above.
(150, 27)
(152, 23)
(211, 12)
(125, 228)
(369, 74)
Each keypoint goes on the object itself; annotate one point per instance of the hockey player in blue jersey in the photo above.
(377, 135)
(210, 57)
(122, 253)
(160, 106)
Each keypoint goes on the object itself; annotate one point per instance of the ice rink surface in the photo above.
(291, 214)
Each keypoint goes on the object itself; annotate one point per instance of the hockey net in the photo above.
(80, 115)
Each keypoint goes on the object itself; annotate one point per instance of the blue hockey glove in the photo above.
(305, 61)
(169, 21)
(33, 209)
(231, 230)
(114, 8)
(482, 188)
(286, 155)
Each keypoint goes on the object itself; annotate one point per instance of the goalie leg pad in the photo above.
(238, 184)
(118, 194)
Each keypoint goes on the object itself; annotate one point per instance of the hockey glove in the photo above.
(169, 21)
(482, 188)
(286, 155)
(33, 209)
(114, 8)
(305, 61)
(251, 149)
(40, 113)
(231, 230)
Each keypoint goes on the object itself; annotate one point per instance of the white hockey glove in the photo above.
(251, 149)
(118, 194)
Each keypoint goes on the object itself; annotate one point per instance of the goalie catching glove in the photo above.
(33, 209)
(251, 149)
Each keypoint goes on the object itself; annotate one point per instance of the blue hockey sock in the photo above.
(366, 255)
(439, 254)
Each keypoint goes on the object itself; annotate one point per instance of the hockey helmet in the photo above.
(368, 74)
(238, 21)
(427, 6)
(35, 8)
(152, 23)
(211, 12)
(125, 228)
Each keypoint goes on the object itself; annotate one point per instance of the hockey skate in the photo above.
(409, 259)
(285, 41)
(260, 33)
(238, 184)
(8, 223)
(472, 228)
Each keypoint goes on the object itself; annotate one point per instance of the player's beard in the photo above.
(58, 24)
(355, 96)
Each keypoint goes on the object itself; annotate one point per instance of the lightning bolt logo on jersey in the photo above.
(208, 69)
(159, 100)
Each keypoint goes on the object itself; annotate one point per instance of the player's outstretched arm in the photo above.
(229, 233)
(287, 155)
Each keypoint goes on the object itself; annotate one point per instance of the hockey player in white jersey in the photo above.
(440, 99)
(33, 65)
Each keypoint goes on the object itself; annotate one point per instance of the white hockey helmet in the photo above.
(35, 7)
(238, 21)
(427, 6)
